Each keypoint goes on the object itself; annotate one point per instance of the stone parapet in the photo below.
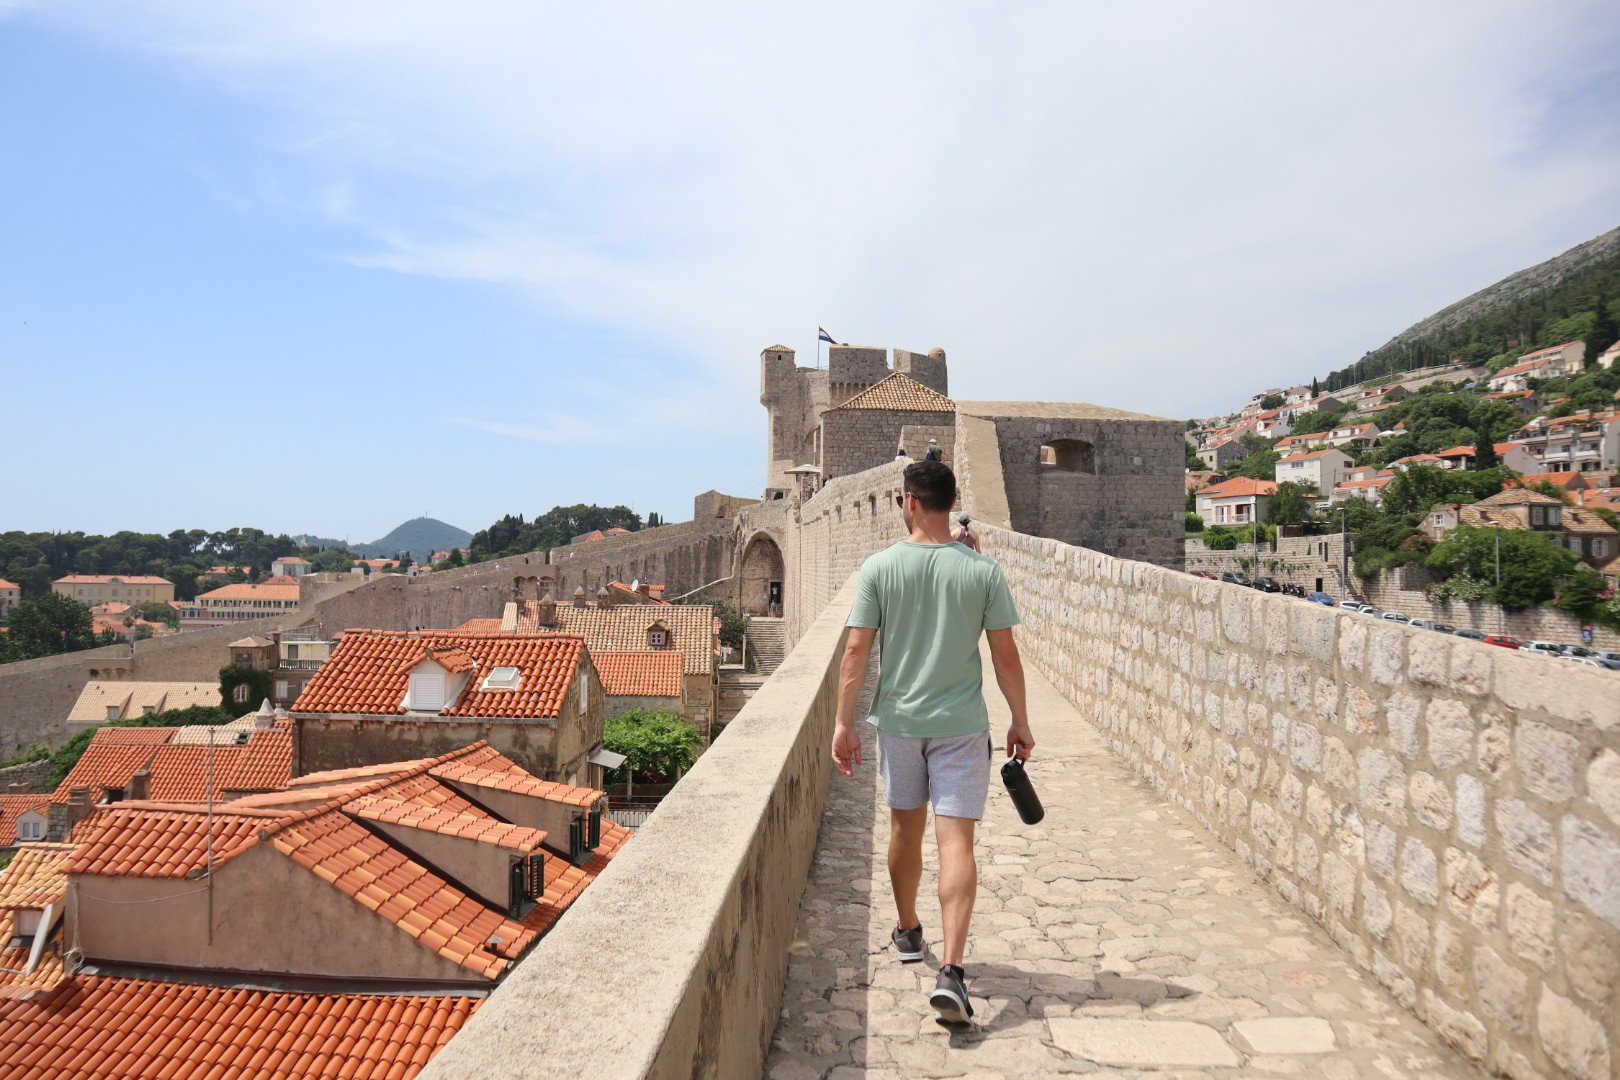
(712, 880)
(1448, 811)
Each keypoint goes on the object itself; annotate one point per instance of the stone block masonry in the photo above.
(1448, 811)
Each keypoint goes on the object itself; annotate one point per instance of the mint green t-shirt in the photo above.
(929, 603)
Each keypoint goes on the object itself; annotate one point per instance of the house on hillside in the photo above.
(1583, 442)
(93, 589)
(1553, 362)
(1318, 469)
(234, 603)
(387, 694)
(1369, 487)
(10, 596)
(1241, 500)
(291, 566)
(1219, 456)
(1592, 540)
(1360, 436)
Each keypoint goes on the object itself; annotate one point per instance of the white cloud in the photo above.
(1150, 205)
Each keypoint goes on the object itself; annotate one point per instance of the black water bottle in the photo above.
(1022, 792)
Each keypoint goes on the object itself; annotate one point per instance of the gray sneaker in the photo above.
(950, 996)
(908, 944)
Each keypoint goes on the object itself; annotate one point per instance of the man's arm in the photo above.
(846, 744)
(1010, 677)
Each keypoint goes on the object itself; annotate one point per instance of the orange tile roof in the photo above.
(108, 579)
(623, 628)
(1312, 455)
(898, 393)
(16, 981)
(369, 672)
(1574, 481)
(473, 825)
(136, 1029)
(1458, 451)
(655, 593)
(274, 589)
(132, 736)
(4, 584)
(1240, 486)
(102, 768)
(651, 673)
(36, 877)
(264, 763)
(12, 807)
(163, 840)
(485, 766)
(375, 874)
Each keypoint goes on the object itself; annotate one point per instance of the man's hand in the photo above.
(1020, 742)
(846, 749)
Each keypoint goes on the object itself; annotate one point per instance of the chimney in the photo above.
(547, 611)
(265, 718)
(140, 785)
(78, 807)
(604, 597)
(579, 596)
(644, 589)
(509, 617)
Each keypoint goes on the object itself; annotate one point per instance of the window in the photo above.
(1069, 455)
(33, 829)
(240, 692)
(427, 693)
(27, 921)
(1600, 545)
(292, 652)
(148, 710)
(657, 639)
(112, 712)
(503, 678)
(1555, 515)
(1538, 515)
(281, 689)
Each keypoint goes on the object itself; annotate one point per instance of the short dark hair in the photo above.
(933, 484)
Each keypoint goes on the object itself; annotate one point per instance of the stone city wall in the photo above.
(29, 778)
(854, 440)
(734, 840)
(681, 557)
(36, 695)
(1448, 811)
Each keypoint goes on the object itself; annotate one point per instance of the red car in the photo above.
(1202, 574)
(1503, 640)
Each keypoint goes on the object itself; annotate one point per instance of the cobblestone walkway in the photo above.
(1114, 939)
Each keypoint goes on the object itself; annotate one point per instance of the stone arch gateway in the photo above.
(761, 577)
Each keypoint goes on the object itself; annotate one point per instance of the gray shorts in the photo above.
(953, 773)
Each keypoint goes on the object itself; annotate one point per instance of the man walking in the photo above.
(931, 597)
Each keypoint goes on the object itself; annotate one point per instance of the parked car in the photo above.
(1372, 612)
(1612, 665)
(1587, 660)
(1442, 628)
(1320, 598)
(1394, 616)
(1503, 640)
(1579, 650)
(1235, 578)
(1353, 605)
(1202, 574)
(1266, 584)
(1543, 648)
(1471, 635)
(1426, 624)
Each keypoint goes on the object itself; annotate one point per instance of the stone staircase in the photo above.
(737, 687)
(767, 644)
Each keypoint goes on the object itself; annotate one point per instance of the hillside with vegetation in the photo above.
(1573, 296)
(512, 535)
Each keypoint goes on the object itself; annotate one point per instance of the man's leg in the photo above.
(958, 882)
(906, 861)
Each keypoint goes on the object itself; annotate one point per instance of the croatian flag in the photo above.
(828, 338)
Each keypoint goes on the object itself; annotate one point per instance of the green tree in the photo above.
(1318, 421)
(657, 746)
(332, 561)
(157, 611)
(732, 622)
(1271, 401)
(48, 625)
(1416, 488)
(1291, 505)
(1532, 566)
(1194, 523)
(1484, 449)
(456, 558)
(256, 681)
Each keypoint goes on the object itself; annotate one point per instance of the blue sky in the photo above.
(321, 270)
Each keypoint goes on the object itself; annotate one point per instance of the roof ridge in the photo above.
(336, 802)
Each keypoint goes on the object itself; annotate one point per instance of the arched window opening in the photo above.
(1069, 455)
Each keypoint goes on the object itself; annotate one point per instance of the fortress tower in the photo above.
(796, 398)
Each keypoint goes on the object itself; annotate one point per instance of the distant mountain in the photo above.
(1520, 308)
(420, 536)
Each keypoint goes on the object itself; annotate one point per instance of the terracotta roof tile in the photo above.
(16, 981)
(1239, 487)
(333, 846)
(623, 628)
(369, 672)
(103, 767)
(274, 589)
(11, 807)
(131, 1028)
(144, 839)
(471, 825)
(36, 876)
(649, 673)
(488, 767)
(4, 584)
(898, 393)
(106, 579)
